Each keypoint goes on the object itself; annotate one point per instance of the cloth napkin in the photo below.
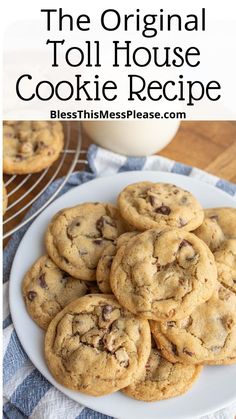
(27, 394)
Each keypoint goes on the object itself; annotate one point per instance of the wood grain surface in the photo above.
(211, 146)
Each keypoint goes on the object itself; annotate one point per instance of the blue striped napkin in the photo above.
(27, 394)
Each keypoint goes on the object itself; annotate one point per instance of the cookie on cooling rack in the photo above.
(31, 146)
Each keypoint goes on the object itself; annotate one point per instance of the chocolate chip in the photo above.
(98, 241)
(158, 266)
(18, 157)
(104, 220)
(185, 351)
(106, 311)
(152, 200)
(124, 363)
(182, 281)
(191, 258)
(42, 281)
(109, 263)
(175, 191)
(31, 295)
(163, 209)
(228, 322)
(71, 229)
(184, 243)
(174, 349)
(183, 200)
(41, 144)
(170, 324)
(214, 217)
(100, 224)
(64, 278)
(35, 147)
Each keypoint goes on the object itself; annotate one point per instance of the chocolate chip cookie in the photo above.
(47, 290)
(147, 205)
(77, 236)
(164, 275)
(207, 335)
(105, 262)
(219, 224)
(162, 379)
(226, 218)
(4, 199)
(31, 146)
(211, 233)
(95, 346)
(229, 360)
(225, 257)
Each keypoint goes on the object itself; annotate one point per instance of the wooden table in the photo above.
(211, 146)
(208, 145)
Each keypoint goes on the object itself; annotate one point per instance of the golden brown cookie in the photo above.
(105, 262)
(95, 346)
(162, 379)
(208, 335)
(76, 237)
(147, 205)
(219, 224)
(47, 290)
(31, 146)
(225, 257)
(211, 233)
(229, 360)
(226, 219)
(164, 275)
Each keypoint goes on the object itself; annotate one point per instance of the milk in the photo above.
(134, 138)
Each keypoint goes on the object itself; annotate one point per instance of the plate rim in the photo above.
(100, 179)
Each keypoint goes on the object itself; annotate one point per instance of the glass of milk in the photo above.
(132, 138)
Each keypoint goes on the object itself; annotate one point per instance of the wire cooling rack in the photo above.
(23, 191)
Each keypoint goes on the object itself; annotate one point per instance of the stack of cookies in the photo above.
(30, 147)
(137, 297)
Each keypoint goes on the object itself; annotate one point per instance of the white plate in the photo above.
(216, 386)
